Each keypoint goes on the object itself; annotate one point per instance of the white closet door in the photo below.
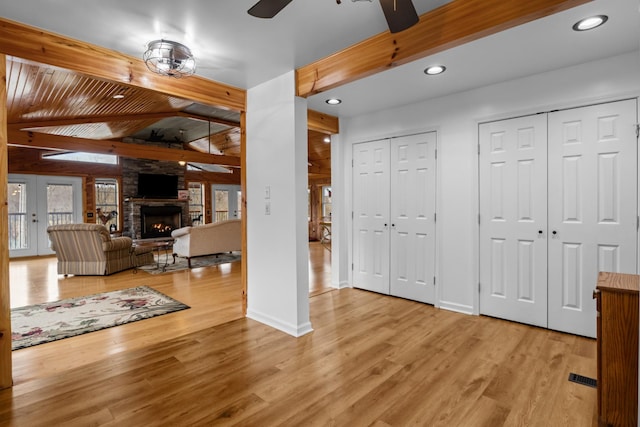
(592, 207)
(513, 214)
(371, 216)
(412, 209)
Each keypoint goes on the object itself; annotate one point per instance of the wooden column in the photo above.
(243, 202)
(5, 307)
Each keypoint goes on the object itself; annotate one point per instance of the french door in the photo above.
(394, 216)
(35, 202)
(558, 203)
(226, 202)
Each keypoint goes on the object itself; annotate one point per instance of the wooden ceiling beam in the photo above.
(35, 44)
(115, 118)
(323, 123)
(89, 119)
(139, 151)
(230, 123)
(451, 25)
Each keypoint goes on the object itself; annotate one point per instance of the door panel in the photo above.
(412, 210)
(513, 205)
(370, 216)
(592, 209)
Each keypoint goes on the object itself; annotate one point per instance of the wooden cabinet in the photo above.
(617, 333)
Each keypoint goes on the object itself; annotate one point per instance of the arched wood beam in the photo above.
(451, 25)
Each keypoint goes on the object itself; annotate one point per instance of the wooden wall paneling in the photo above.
(448, 26)
(5, 306)
(214, 177)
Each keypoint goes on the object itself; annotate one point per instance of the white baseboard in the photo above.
(452, 306)
(293, 330)
(342, 285)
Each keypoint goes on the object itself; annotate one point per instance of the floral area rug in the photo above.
(165, 264)
(37, 324)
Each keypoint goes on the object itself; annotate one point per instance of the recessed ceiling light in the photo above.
(590, 23)
(333, 101)
(118, 96)
(327, 139)
(434, 70)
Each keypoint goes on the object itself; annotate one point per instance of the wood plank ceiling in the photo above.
(44, 99)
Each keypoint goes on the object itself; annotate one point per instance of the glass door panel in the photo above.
(226, 202)
(35, 202)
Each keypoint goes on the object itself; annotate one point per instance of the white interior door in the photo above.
(371, 216)
(412, 217)
(592, 207)
(513, 216)
(37, 202)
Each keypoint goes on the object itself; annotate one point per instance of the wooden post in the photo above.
(5, 306)
(243, 189)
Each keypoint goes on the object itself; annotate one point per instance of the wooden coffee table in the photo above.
(157, 246)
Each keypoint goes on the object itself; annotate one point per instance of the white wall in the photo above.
(277, 243)
(456, 118)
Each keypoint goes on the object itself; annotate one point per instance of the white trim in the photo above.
(458, 308)
(288, 328)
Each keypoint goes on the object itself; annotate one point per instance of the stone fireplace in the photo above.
(176, 211)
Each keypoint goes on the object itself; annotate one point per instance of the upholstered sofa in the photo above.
(207, 239)
(89, 250)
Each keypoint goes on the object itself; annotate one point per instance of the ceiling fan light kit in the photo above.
(169, 58)
(400, 14)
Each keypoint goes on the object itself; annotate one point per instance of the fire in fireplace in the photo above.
(159, 221)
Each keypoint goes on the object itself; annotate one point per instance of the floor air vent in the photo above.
(583, 380)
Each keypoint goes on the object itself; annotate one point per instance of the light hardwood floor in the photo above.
(371, 360)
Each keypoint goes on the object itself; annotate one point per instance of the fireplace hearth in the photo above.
(159, 221)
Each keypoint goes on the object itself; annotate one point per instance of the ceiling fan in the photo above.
(400, 14)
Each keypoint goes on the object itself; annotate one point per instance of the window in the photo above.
(326, 203)
(196, 203)
(107, 202)
(108, 159)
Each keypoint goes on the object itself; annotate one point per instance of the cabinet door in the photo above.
(592, 207)
(371, 216)
(412, 211)
(513, 215)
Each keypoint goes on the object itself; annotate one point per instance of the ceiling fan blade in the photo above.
(267, 8)
(400, 14)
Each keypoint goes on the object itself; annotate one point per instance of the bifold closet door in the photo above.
(412, 217)
(371, 216)
(558, 204)
(592, 207)
(394, 195)
(513, 215)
